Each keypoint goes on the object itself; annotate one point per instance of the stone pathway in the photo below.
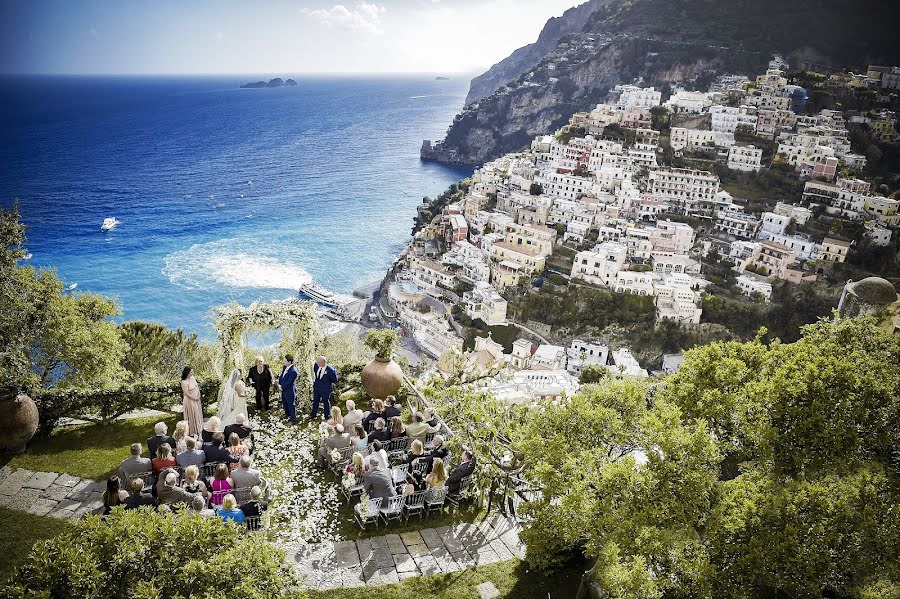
(49, 493)
(367, 562)
(393, 557)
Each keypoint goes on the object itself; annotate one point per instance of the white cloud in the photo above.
(362, 17)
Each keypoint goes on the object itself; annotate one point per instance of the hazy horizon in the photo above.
(229, 37)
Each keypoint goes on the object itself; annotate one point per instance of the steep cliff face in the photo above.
(571, 21)
(661, 41)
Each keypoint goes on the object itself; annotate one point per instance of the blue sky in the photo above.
(277, 36)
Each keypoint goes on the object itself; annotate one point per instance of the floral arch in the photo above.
(301, 333)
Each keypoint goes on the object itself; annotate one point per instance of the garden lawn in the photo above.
(511, 578)
(89, 451)
(18, 532)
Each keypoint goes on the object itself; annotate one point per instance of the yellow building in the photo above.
(835, 250)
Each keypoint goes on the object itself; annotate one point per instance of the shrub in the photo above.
(144, 554)
(105, 405)
(382, 342)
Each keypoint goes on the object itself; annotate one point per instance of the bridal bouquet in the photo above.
(364, 506)
(335, 455)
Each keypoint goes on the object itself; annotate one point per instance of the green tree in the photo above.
(49, 337)
(158, 353)
(148, 555)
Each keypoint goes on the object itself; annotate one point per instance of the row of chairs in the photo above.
(396, 450)
(399, 507)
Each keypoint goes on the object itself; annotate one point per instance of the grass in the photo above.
(88, 451)
(18, 532)
(512, 579)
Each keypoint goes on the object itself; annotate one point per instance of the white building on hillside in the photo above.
(750, 284)
(549, 357)
(582, 354)
(744, 158)
(485, 303)
(625, 364)
(600, 265)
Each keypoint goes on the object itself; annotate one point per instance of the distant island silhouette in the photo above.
(276, 82)
(440, 78)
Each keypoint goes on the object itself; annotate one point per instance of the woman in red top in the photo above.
(236, 448)
(164, 459)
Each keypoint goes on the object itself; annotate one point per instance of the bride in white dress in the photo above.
(233, 400)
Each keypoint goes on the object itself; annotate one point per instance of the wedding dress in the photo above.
(233, 400)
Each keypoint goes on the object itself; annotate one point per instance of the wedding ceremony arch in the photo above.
(296, 320)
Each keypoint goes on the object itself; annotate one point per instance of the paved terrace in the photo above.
(368, 562)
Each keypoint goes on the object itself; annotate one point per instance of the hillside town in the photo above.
(617, 190)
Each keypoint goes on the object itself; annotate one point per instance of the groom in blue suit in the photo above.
(324, 378)
(288, 393)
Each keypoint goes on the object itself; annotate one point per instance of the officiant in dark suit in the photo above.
(324, 378)
(261, 378)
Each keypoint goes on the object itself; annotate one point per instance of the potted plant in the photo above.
(382, 376)
(18, 420)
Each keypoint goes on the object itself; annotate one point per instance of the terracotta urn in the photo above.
(382, 377)
(18, 420)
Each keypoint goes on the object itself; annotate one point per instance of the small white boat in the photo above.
(109, 224)
(28, 256)
(318, 294)
(72, 287)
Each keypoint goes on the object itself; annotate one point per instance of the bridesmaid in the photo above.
(193, 411)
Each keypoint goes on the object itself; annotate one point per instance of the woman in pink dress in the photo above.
(193, 411)
(221, 485)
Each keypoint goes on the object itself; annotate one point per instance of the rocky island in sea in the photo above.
(276, 82)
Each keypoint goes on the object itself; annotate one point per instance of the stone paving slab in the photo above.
(42, 506)
(395, 544)
(24, 499)
(411, 538)
(432, 538)
(405, 563)
(5, 471)
(346, 555)
(13, 483)
(81, 490)
(56, 492)
(41, 480)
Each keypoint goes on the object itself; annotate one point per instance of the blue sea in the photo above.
(222, 193)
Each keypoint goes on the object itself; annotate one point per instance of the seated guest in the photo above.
(180, 436)
(390, 408)
(161, 480)
(230, 510)
(134, 465)
(338, 439)
(210, 428)
(378, 482)
(336, 417)
(162, 436)
(379, 433)
(138, 498)
(380, 455)
(192, 484)
(465, 468)
(236, 448)
(418, 429)
(190, 456)
(198, 506)
(438, 475)
(164, 459)
(113, 496)
(372, 415)
(222, 485)
(397, 428)
(430, 419)
(171, 493)
(359, 439)
(438, 452)
(256, 506)
(246, 477)
(356, 467)
(216, 452)
(239, 428)
(416, 451)
(353, 416)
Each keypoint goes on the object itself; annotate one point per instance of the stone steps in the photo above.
(49, 493)
(393, 557)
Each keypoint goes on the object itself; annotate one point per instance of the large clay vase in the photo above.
(381, 378)
(18, 421)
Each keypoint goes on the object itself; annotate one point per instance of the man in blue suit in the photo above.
(288, 393)
(324, 378)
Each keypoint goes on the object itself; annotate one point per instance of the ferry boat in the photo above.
(72, 287)
(109, 224)
(318, 294)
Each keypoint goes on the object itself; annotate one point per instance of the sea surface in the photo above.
(222, 193)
